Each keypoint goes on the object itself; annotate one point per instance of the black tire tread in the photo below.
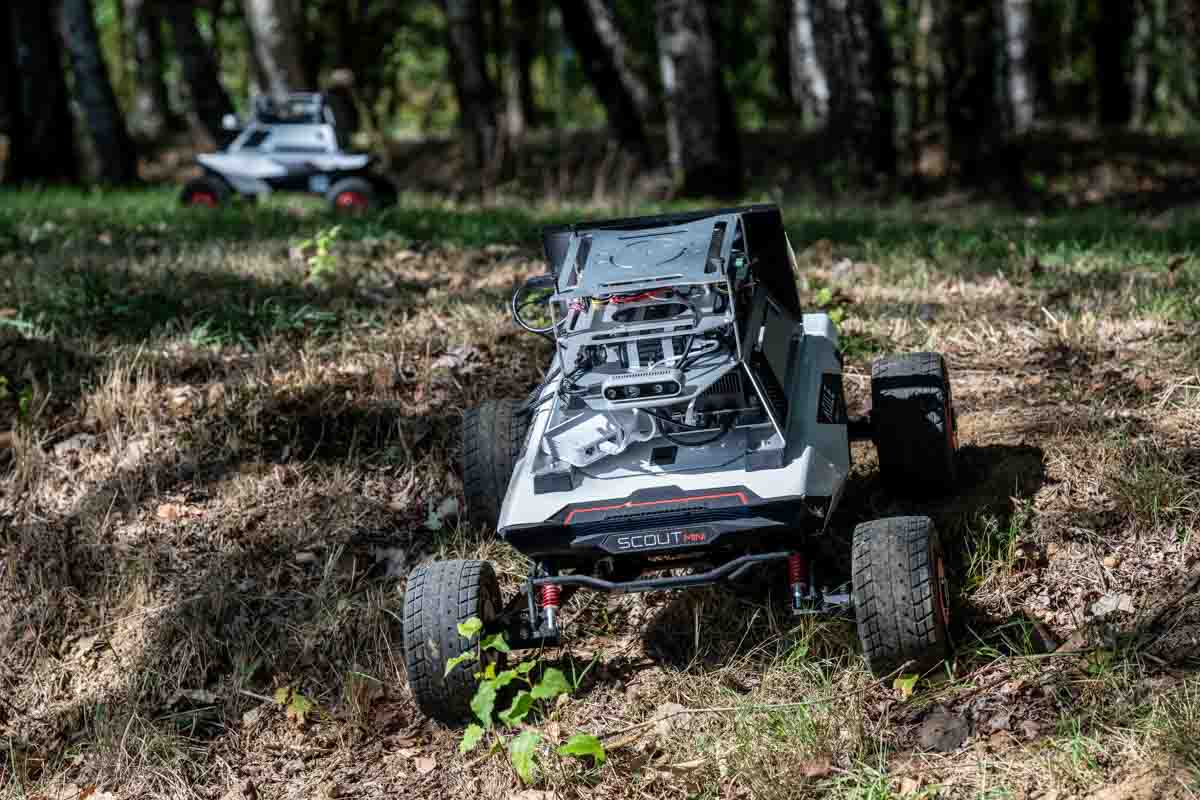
(492, 437)
(911, 407)
(437, 598)
(894, 585)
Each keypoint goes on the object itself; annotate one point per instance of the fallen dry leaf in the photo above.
(169, 512)
(909, 785)
(426, 765)
(1112, 562)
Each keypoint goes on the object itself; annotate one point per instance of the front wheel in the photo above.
(352, 196)
(204, 192)
(437, 598)
(901, 598)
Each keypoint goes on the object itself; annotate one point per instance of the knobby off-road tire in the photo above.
(900, 594)
(912, 415)
(206, 192)
(352, 196)
(492, 437)
(438, 597)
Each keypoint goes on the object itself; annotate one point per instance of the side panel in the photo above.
(816, 427)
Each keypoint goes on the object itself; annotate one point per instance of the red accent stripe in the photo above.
(630, 504)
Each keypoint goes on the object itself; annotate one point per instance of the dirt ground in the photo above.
(225, 456)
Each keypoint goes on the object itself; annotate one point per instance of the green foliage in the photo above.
(522, 750)
(321, 260)
(536, 693)
(584, 744)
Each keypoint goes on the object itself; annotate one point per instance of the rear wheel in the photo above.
(351, 196)
(900, 594)
(492, 437)
(912, 416)
(437, 598)
(205, 192)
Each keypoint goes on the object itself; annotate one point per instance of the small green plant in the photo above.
(322, 262)
(533, 695)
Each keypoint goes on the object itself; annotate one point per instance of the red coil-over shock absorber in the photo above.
(798, 578)
(550, 599)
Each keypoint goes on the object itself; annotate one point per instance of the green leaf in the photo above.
(300, 707)
(518, 710)
(496, 642)
(282, 694)
(583, 744)
(472, 736)
(454, 662)
(522, 750)
(470, 627)
(489, 672)
(905, 684)
(525, 666)
(505, 678)
(552, 684)
(483, 702)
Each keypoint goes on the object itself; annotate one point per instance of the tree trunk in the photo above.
(853, 61)
(150, 118)
(208, 100)
(42, 135)
(809, 80)
(1114, 32)
(474, 89)
(1146, 69)
(969, 62)
(781, 56)
(94, 92)
(603, 54)
(275, 30)
(528, 23)
(1018, 36)
(702, 135)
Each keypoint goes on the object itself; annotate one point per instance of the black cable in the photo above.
(545, 333)
(725, 429)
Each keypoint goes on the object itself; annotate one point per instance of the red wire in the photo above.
(621, 299)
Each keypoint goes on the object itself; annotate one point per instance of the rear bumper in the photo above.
(663, 520)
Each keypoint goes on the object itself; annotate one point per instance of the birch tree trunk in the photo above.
(1019, 83)
(275, 32)
(603, 54)
(93, 90)
(702, 137)
(809, 80)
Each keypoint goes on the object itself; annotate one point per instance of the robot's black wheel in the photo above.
(205, 192)
(437, 598)
(901, 597)
(492, 437)
(352, 196)
(912, 416)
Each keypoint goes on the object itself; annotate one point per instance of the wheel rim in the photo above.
(351, 201)
(202, 198)
(940, 589)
